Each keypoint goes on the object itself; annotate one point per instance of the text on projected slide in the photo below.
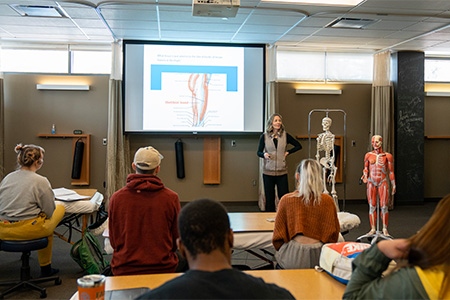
(198, 91)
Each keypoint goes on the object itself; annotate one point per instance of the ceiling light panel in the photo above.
(319, 2)
(351, 23)
(38, 11)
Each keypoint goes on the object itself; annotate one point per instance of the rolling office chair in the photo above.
(25, 278)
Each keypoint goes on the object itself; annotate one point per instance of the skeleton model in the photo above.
(325, 143)
(378, 165)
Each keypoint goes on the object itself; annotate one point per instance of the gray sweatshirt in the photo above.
(24, 195)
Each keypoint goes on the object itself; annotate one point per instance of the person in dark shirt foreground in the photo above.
(206, 240)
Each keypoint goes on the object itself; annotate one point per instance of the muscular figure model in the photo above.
(325, 143)
(377, 165)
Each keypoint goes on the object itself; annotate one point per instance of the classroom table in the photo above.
(83, 210)
(254, 230)
(303, 284)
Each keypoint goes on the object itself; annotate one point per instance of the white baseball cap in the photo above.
(147, 158)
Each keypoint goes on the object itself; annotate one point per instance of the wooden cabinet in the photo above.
(86, 138)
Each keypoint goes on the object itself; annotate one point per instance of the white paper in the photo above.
(64, 194)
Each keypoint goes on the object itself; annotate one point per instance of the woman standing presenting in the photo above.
(306, 219)
(27, 205)
(273, 149)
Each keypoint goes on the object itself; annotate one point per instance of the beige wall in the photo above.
(355, 101)
(436, 151)
(29, 112)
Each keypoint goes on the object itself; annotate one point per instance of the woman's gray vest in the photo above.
(276, 165)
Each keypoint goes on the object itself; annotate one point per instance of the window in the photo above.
(437, 69)
(357, 67)
(292, 65)
(52, 58)
(34, 61)
(91, 62)
(324, 66)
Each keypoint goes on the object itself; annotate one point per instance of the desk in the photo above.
(303, 284)
(83, 210)
(252, 222)
(257, 222)
(253, 231)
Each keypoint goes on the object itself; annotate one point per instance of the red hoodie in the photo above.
(143, 227)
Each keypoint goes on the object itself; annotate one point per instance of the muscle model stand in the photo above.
(377, 166)
(325, 143)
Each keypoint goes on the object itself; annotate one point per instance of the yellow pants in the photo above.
(33, 229)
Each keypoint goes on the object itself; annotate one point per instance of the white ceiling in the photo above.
(422, 25)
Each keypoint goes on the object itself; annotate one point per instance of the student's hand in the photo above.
(394, 249)
(266, 155)
(286, 154)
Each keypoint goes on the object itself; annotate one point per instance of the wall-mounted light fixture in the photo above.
(318, 91)
(438, 94)
(63, 87)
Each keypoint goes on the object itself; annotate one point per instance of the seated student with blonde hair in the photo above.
(27, 205)
(426, 276)
(306, 219)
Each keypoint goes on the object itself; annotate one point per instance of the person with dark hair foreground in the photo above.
(143, 220)
(206, 240)
(426, 276)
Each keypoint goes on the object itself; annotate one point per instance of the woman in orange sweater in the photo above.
(306, 219)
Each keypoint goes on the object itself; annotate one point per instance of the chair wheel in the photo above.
(44, 294)
(58, 281)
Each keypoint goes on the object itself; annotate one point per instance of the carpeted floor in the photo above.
(404, 221)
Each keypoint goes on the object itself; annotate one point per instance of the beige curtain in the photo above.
(382, 112)
(118, 164)
(2, 128)
(271, 92)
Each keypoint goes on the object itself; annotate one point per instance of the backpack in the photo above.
(336, 259)
(87, 253)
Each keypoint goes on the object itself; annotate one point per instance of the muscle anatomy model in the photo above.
(198, 85)
(325, 144)
(377, 166)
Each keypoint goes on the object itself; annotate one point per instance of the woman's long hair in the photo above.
(269, 126)
(310, 184)
(430, 247)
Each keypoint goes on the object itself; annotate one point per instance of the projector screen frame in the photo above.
(193, 132)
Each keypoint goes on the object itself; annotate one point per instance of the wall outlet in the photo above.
(233, 143)
(254, 182)
(105, 141)
(353, 143)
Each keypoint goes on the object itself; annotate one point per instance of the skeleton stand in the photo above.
(344, 152)
(378, 235)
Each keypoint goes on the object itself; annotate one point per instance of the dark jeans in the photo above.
(281, 182)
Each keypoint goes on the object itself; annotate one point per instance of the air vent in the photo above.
(38, 11)
(351, 23)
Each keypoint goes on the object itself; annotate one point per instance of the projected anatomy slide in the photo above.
(193, 88)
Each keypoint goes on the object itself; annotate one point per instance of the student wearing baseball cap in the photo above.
(143, 220)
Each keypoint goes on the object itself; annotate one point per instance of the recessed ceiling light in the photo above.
(351, 23)
(319, 2)
(38, 11)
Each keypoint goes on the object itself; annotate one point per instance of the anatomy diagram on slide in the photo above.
(199, 85)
